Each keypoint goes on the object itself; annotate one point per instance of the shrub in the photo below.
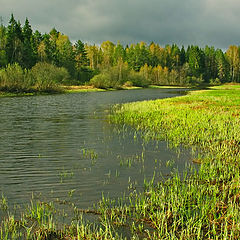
(137, 79)
(128, 84)
(14, 79)
(214, 82)
(193, 81)
(101, 80)
(84, 75)
(47, 77)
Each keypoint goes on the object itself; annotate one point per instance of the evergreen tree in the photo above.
(47, 50)
(137, 56)
(65, 55)
(80, 54)
(222, 66)
(182, 56)
(54, 54)
(210, 64)
(119, 54)
(3, 54)
(83, 72)
(29, 56)
(36, 41)
(14, 41)
(195, 61)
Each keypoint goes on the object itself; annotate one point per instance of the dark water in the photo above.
(62, 145)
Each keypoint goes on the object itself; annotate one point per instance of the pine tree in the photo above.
(195, 61)
(80, 55)
(210, 64)
(14, 44)
(3, 54)
(119, 54)
(182, 56)
(222, 66)
(65, 54)
(83, 73)
(29, 56)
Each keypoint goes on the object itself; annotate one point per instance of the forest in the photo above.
(33, 61)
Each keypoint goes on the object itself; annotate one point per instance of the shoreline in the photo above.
(83, 88)
(201, 204)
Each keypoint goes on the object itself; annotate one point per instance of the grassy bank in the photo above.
(204, 204)
(77, 89)
(205, 118)
(83, 88)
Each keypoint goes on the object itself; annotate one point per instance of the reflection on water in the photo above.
(60, 145)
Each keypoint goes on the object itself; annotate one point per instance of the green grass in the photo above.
(83, 88)
(163, 87)
(203, 204)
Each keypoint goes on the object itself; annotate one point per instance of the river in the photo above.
(61, 146)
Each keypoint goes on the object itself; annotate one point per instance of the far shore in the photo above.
(89, 88)
(82, 88)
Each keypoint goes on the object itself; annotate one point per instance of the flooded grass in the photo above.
(203, 204)
(195, 204)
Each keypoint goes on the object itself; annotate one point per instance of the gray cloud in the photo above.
(185, 22)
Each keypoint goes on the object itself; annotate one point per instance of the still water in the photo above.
(59, 146)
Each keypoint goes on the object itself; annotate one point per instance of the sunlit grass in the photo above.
(204, 204)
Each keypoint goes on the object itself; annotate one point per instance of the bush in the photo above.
(14, 79)
(101, 80)
(128, 84)
(117, 76)
(193, 81)
(84, 75)
(42, 77)
(47, 77)
(214, 82)
(137, 79)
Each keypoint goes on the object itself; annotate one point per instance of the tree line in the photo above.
(109, 64)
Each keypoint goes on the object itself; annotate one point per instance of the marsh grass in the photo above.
(86, 153)
(203, 204)
(44, 221)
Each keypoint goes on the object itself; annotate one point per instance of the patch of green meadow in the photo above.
(203, 204)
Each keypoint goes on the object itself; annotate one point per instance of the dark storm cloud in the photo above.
(212, 22)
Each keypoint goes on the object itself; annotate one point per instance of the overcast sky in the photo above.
(184, 22)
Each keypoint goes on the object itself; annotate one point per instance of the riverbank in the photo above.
(81, 88)
(88, 88)
(201, 204)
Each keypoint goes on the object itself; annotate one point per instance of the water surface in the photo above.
(61, 145)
